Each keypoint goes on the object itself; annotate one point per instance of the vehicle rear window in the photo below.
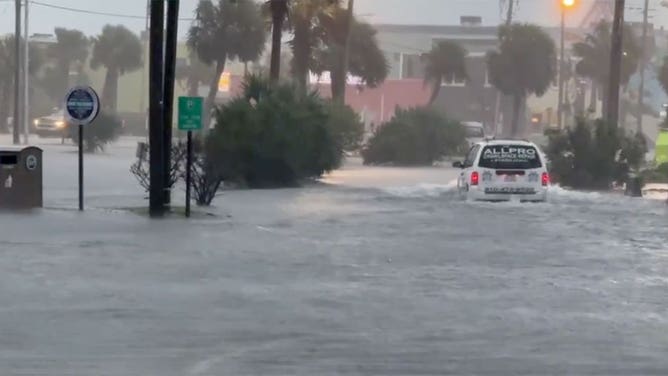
(510, 157)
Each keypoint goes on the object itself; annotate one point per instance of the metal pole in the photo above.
(497, 104)
(189, 164)
(81, 168)
(168, 100)
(615, 64)
(26, 75)
(643, 65)
(560, 104)
(17, 75)
(156, 168)
(346, 50)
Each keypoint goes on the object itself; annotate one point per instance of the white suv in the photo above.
(498, 170)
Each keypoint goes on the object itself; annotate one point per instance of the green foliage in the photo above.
(227, 30)
(417, 136)
(593, 154)
(524, 64)
(594, 54)
(445, 61)
(103, 130)
(119, 50)
(71, 47)
(345, 125)
(272, 136)
(366, 59)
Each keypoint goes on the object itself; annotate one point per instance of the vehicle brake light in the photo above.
(475, 178)
(545, 179)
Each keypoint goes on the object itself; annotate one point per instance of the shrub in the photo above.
(417, 136)
(593, 154)
(103, 130)
(271, 136)
(658, 174)
(140, 169)
(346, 125)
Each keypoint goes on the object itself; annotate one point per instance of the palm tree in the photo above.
(7, 70)
(366, 60)
(594, 54)
(193, 74)
(71, 47)
(230, 29)
(279, 10)
(306, 19)
(524, 64)
(119, 50)
(445, 61)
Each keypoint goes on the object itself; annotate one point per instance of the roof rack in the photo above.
(494, 138)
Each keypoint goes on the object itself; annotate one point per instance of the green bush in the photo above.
(593, 154)
(417, 136)
(346, 125)
(658, 174)
(271, 136)
(103, 130)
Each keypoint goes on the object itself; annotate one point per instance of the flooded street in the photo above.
(375, 271)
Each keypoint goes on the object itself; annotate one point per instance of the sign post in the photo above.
(82, 105)
(190, 119)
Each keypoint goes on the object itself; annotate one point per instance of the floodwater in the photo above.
(375, 271)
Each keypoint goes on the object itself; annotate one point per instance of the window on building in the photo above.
(452, 80)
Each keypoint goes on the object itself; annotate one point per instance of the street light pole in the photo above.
(26, 75)
(560, 105)
(17, 75)
(156, 124)
(168, 100)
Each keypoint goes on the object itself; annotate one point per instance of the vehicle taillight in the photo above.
(545, 179)
(475, 178)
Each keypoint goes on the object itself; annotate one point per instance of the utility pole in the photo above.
(168, 99)
(615, 63)
(156, 123)
(560, 105)
(643, 65)
(16, 122)
(346, 49)
(26, 75)
(509, 16)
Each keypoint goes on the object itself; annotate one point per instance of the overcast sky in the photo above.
(545, 12)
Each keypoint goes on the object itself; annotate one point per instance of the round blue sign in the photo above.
(82, 105)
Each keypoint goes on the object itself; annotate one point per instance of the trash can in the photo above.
(21, 178)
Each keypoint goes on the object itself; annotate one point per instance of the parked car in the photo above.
(54, 125)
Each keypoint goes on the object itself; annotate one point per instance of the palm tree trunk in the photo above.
(4, 109)
(278, 12)
(110, 90)
(517, 105)
(341, 98)
(213, 90)
(301, 52)
(593, 98)
(338, 84)
(245, 69)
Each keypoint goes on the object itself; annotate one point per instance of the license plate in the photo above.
(510, 190)
(509, 178)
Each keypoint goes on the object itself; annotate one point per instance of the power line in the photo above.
(97, 13)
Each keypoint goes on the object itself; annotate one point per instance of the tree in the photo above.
(7, 70)
(445, 61)
(366, 61)
(594, 54)
(416, 136)
(119, 50)
(278, 10)
(71, 47)
(305, 20)
(193, 74)
(226, 30)
(524, 64)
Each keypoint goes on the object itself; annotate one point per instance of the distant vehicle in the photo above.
(475, 132)
(499, 170)
(54, 125)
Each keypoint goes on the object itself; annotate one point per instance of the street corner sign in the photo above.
(190, 113)
(82, 105)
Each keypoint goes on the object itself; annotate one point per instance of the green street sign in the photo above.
(190, 113)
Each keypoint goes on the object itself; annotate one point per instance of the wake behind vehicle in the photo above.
(500, 170)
